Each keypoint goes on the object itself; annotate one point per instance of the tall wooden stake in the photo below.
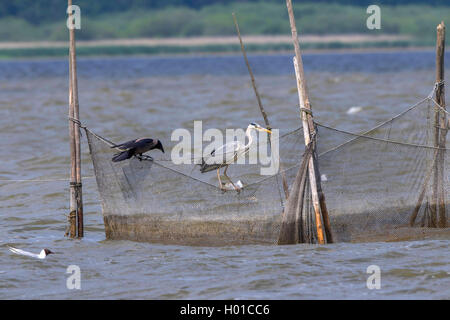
(440, 132)
(258, 98)
(318, 198)
(73, 170)
(76, 200)
(441, 125)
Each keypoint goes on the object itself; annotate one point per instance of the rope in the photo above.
(41, 180)
(428, 98)
(198, 159)
(439, 106)
(76, 184)
(363, 135)
(186, 175)
(111, 144)
(313, 140)
(436, 86)
(307, 111)
(377, 139)
(76, 121)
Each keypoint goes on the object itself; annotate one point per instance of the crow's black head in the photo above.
(159, 146)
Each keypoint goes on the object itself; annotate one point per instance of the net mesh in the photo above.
(372, 182)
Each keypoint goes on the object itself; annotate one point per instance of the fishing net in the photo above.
(162, 201)
(376, 182)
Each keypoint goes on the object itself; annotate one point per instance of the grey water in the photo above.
(126, 97)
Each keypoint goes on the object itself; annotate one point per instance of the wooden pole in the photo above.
(440, 132)
(76, 200)
(263, 112)
(73, 170)
(311, 168)
(258, 98)
(441, 124)
(309, 131)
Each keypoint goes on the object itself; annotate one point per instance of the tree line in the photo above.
(41, 11)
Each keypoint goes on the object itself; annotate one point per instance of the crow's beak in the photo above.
(162, 149)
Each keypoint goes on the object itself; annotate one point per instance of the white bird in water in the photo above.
(42, 255)
(229, 153)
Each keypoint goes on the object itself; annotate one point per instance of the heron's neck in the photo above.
(248, 133)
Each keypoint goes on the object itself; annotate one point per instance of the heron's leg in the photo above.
(225, 174)
(218, 177)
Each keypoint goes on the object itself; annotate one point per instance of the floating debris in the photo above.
(354, 110)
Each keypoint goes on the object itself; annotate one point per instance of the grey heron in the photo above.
(229, 153)
(136, 147)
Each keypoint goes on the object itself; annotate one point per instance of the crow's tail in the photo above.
(122, 155)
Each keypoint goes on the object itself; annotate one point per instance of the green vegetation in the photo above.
(264, 17)
(37, 12)
(27, 20)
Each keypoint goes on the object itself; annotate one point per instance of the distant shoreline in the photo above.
(211, 45)
(205, 41)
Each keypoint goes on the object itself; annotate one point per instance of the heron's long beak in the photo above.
(266, 130)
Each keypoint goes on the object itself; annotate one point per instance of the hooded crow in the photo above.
(136, 148)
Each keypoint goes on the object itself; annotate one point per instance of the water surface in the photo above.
(122, 98)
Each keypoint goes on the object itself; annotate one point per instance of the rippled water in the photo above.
(127, 97)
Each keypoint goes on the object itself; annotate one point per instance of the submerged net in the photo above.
(373, 182)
